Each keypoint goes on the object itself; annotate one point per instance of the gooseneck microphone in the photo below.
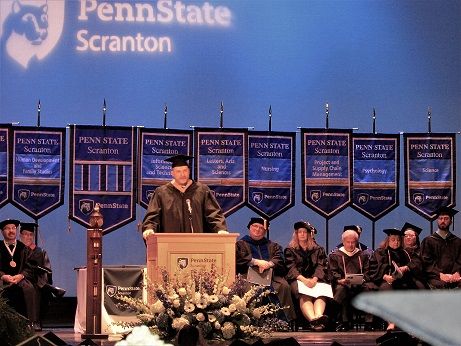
(189, 208)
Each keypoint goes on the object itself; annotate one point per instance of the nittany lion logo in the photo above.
(183, 262)
(23, 194)
(316, 195)
(149, 194)
(30, 28)
(363, 198)
(111, 290)
(257, 197)
(86, 206)
(418, 198)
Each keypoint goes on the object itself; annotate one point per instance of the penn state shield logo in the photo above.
(418, 198)
(149, 194)
(363, 198)
(257, 197)
(316, 195)
(23, 194)
(86, 206)
(111, 290)
(183, 262)
(30, 28)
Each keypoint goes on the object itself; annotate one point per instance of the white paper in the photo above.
(319, 290)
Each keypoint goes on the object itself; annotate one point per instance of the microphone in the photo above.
(189, 207)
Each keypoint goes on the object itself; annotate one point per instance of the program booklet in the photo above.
(255, 277)
(321, 289)
(355, 279)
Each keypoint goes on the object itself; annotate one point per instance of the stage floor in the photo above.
(303, 338)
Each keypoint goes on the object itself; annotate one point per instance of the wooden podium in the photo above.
(190, 251)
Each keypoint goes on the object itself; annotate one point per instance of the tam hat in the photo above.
(354, 228)
(179, 160)
(446, 211)
(8, 222)
(392, 231)
(259, 220)
(408, 226)
(306, 225)
(28, 226)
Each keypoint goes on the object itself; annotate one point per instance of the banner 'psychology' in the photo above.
(4, 163)
(155, 146)
(38, 169)
(376, 162)
(430, 172)
(326, 170)
(220, 163)
(271, 172)
(103, 171)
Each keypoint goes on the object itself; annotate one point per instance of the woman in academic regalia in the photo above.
(411, 244)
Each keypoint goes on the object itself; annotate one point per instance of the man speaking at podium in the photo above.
(183, 205)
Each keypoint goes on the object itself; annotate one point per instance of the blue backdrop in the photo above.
(397, 56)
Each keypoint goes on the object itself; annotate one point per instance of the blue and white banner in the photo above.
(220, 163)
(4, 163)
(156, 145)
(38, 169)
(326, 162)
(103, 171)
(271, 172)
(430, 172)
(376, 162)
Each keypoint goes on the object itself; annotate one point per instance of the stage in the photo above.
(357, 338)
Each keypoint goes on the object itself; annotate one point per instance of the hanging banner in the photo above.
(103, 171)
(375, 183)
(4, 164)
(155, 146)
(430, 172)
(271, 172)
(38, 169)
(220, 163)
(326, 162)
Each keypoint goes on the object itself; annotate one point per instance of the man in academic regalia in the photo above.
(183, 205)
(41, 266)
(441, 253)
(255, 250)
(16, 274)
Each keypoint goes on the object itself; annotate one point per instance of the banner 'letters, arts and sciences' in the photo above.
(271, 172)
(376, 162)
(220, 163)
(38, 169)
(326, 170)
(103, 171)
(4, 163)
(155, 146)
(430, 172)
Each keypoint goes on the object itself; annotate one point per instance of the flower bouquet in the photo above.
(202, 299)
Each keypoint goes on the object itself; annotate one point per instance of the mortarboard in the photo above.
(446, 211)
(28, 226)
(8, 222)
(354, 228)
(259, 220)
(392, 231)
(412, 227)
(179, 160)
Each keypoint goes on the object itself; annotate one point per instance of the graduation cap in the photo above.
(28, 226)
(306, 225)
(179, 160)
(8, 222)
(259, 220)
(392, 231)
(446, 211)
(414, 228)
(354, 228)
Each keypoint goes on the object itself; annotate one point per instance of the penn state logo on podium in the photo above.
(111, 290)
(30, 28)
(183, 262)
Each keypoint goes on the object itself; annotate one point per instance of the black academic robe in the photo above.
(358, 263)
(440, 256)
(308, 263)
(19, 257)
(39, 257)
(168, 211)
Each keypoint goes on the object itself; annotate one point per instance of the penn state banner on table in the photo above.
(271, 172)
(326, 163)
(376, 172)
(155, 145)
(103, 170)
(38, 170)
(4, 164)
(430, 172)
(220, 163)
